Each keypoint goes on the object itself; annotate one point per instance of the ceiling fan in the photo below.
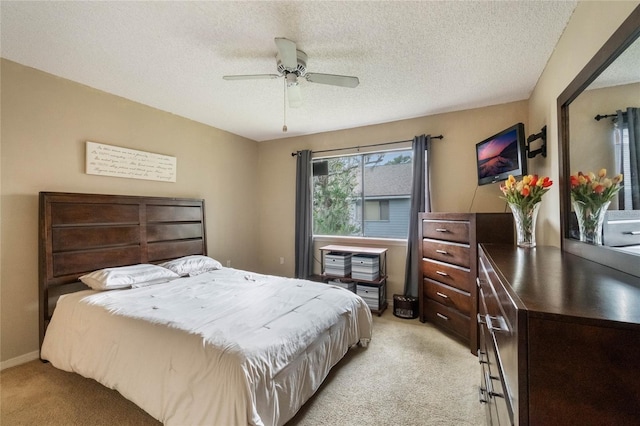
(292, 65)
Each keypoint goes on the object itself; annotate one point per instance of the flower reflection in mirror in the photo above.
(591, 195)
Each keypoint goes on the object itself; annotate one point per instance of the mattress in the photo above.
(224, 347)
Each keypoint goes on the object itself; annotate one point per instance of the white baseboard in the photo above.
(22, 359)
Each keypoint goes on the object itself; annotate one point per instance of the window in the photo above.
(376, 210)
(365, 195)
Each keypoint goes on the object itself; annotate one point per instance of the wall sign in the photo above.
(109, 160)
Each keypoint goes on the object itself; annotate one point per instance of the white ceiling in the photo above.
(412, 58)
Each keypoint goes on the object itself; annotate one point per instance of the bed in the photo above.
(207, 345)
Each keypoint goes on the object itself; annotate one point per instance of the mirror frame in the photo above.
(622, 38)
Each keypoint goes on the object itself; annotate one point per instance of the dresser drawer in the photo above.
(448, 230)
(498, 318)
(487, 400)
(452, 275)
(456, 253)
(447, 318)
(496, 390)
(448, 296)
(488, 300)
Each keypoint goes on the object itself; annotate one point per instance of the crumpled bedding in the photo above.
(226, 347)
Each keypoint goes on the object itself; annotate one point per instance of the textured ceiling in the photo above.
(624, 70)
(412, 58)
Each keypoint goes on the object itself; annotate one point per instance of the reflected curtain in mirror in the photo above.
(628, 129)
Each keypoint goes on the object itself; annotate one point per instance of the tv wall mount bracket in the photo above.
(543, 147)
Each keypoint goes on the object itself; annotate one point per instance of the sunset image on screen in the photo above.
(499, 155)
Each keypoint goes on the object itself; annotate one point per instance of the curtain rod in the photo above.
(600, 117)
(293, 154)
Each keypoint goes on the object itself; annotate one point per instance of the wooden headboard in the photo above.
(79, 233)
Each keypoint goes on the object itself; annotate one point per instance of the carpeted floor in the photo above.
(411, 374)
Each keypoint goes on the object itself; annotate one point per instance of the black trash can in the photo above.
(405, 306)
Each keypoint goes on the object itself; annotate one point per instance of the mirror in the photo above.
(608, 83)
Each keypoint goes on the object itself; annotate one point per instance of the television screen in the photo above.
(501, 155)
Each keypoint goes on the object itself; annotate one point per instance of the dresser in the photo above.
(447, 294)
(559, 339)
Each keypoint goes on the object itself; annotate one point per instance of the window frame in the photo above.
(406, 150)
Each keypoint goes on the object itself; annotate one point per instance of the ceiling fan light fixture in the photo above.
(294, 95)
(292, 79)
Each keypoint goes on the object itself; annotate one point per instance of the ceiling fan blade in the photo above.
(250, 77)
(294, 96)
(332, 79)
(287, 52)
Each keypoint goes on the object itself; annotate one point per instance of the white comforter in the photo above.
(223, 348)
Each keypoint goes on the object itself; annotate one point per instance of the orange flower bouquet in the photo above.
(524, 199)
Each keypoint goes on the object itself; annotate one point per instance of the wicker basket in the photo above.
(405, 306)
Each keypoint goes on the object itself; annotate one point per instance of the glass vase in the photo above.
(525, 219)
(590, 219)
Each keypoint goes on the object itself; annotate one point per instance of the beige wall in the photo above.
(453, 185)
(45, 123)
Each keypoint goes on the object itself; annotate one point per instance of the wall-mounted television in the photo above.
(501, 155)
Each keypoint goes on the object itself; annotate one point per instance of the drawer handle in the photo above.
(444, 317)
(442, 230)
(480, 360)
(444, 296)
(502, 325)
(480, 320)
(634, 232)
(481, 395)
(444, 274)
(442, 251)
(489, 384)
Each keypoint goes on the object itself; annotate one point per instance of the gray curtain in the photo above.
(630, 119)
(633, 124)
(420, 202)
(304, 232)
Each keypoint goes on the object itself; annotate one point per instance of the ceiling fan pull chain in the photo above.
(284, 105)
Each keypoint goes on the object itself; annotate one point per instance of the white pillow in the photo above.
(126, 276)
(192, 265)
